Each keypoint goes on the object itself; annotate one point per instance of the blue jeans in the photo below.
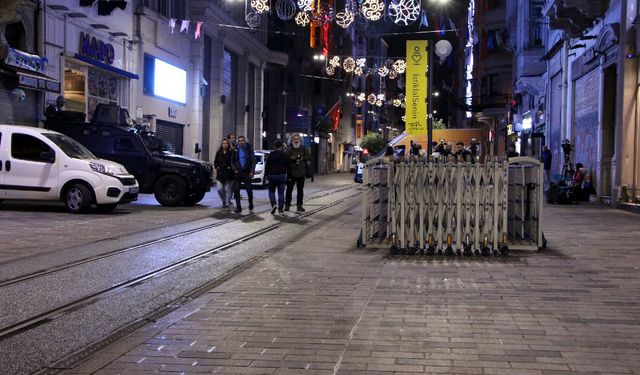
(279, 181)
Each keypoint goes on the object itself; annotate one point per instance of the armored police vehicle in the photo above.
(175, 180)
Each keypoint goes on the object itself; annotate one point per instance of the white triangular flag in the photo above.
(172, 24)
(184, 26)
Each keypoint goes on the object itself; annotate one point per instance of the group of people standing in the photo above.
(235, 164)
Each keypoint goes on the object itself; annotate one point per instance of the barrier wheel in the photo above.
(504, 250)
(449, 251)
(431, 251)
(486, 251)
(467, 251)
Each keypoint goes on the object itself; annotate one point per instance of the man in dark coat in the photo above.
(298, 158)
(243, 163)
(546, 158)
(276, 171)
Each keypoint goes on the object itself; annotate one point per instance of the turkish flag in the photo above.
(335, 116)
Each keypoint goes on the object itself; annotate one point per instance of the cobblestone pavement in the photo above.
(322, 306)
(29, 228)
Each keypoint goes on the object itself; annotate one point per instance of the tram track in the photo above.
(75, 263)
(52, 313)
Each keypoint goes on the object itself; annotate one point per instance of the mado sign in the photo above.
(96, 49)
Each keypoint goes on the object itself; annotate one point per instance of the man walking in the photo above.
(298, 158)
(243, 163)
(546, 158)
(276, 172)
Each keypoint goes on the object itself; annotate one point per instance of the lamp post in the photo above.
(284, 115)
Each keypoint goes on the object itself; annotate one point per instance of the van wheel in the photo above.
(170, 190)
(194, 198)
(106, 207)
(78, 199)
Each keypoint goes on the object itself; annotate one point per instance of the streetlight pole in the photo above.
(284, 116)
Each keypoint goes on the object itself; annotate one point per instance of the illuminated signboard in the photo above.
(96, 49)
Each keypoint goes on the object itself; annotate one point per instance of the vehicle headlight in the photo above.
(101, 168)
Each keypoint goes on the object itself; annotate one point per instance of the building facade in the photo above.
(145, 56)
(592, 72)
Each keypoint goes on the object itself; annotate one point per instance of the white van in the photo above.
(40, 164)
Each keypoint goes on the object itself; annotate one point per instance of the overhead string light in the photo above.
(303, 19)
(372, 10)
(260, 6)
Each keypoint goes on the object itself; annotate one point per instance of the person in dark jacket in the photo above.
(546, 158)
(243, 162)
(298, 158)
(224, 173)
(276, 172)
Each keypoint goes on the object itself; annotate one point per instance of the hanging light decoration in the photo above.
(393, 74)
(260, 6)
(335, 61)
(383, 71)
(305, 5)
(361, 62)
(371, 70)
(380, 97)
(358, 71)
(345, 18)
(404, 12)
(303, 19)
(361, 97)
(286, 9)
(349, 64)
(371, 99)
(403, 105)
(372, 10)
(330, 70)
(252, 19)
(379, 103)
(396, 102)
(404, 118)
(359, 103)
(400, 66)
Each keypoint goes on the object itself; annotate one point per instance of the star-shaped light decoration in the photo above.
(345, 18)
(372, 99)
(358, 71)
(302, 19)
(372, 10)
(379, 103)
(393, 74)
(400, 66)
(383, 71)
(349, 64)
(361, 97)
(305, 5)
(260, 6)
(330, 70)
(404, 12)
(335, 61)
(361, 62)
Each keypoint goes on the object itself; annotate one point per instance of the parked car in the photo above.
(259, 179)
(174, 179)
(39, 164)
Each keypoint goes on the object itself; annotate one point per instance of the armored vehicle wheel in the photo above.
(170, 190)
(194, 198)
(78, 198)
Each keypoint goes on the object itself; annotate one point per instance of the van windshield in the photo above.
(69, 146)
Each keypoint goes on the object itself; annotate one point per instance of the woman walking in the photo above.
(224, 173)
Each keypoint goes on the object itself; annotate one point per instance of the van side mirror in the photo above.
(48, 156)
(197, 149)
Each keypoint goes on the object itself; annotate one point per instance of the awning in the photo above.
(32, 80)
(104, 66)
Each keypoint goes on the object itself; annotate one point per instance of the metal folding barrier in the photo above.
(446, 207)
